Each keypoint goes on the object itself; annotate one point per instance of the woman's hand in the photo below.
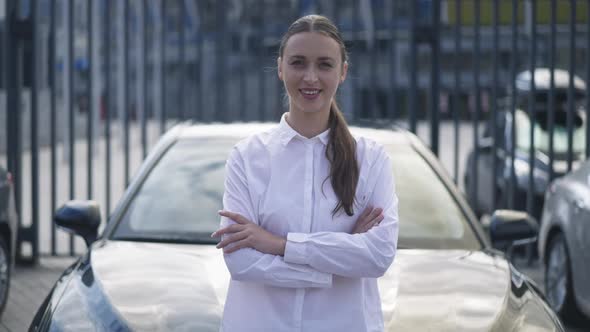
(246, 234)
(368, 219)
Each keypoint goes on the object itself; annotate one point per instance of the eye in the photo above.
(297, 63)
(326, 65)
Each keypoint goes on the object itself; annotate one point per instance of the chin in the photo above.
(308, 109)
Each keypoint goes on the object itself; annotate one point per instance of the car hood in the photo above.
(154, 286)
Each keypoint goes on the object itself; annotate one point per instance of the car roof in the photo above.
(237, 130)
(542, 80)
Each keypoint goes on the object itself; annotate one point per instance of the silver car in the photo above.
(564, 244)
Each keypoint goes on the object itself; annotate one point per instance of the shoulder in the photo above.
(255, 145)
(369, 152)
(260, 140)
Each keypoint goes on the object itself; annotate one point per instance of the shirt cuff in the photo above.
(296, 249)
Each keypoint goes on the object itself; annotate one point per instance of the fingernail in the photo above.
(213, 234)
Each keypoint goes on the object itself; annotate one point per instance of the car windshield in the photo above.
(429, 215)
(179, 199)
(541, 133)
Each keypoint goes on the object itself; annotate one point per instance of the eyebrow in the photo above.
(322, 58)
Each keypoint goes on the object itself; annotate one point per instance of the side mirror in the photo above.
(81, 218)
(510, 228)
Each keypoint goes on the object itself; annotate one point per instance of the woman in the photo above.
(301, 238)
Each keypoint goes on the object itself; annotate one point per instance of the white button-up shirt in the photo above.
(326, 280)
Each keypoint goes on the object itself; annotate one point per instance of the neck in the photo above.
(308, 124)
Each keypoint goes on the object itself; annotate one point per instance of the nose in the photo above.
(310, 75)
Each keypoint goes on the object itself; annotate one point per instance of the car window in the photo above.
(429, 216)
(183, 192)
(541, 134)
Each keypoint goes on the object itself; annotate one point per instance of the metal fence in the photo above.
(87, 86)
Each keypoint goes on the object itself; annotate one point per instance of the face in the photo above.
(311, 69)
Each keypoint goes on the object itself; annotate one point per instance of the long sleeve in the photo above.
(367, 254)
(251, 265)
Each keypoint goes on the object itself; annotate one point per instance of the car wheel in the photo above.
(4, 273)
(558, 280)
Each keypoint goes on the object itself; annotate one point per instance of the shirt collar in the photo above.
(287, 133)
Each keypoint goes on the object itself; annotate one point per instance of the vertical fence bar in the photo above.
(72, 134)
(393, 63)
(457, 88)
(243, 109)
(142, 75)
(107, 106)
(570, 88)
(587, 80)
(477, 92)
(156, 15)
(144, 112)
(493, 115)
(412, 67)
(434, 78)
(371, 46)
(260, 67)
(221, 110)
(52, 120)
(530, 203)
(199, 71)
(162, 66)
(14, 93)
(34, 132)
(551, 110)
(355, 38)
(182, 57)
(513, 64)
(125, 82)
(13, 82)
(91, 106)
(119, 72)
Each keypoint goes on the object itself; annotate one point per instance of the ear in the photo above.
(344, 72)
(279, 68)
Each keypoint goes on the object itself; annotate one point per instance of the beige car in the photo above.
(155, 266)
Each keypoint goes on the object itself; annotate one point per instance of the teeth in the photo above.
(310, 92)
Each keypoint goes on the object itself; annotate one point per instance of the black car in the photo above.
(155, 266)
(487, 182)
(8, 229)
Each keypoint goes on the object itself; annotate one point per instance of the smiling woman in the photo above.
(310, 212)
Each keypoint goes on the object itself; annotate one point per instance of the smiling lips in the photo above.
(310, 94)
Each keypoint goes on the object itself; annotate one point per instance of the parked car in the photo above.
(8, 229)
(480, 198)
(564, 243)
(155, 266)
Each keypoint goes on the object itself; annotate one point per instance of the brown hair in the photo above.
(341, 149)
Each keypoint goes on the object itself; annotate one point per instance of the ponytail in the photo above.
(341, 152)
